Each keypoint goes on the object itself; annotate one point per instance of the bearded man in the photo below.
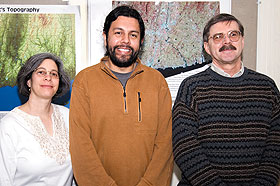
(120, 113)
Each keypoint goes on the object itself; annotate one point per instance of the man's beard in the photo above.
(122, 61)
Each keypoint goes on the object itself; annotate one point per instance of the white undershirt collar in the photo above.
(216, 69)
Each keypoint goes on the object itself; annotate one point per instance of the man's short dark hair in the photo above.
(32, 64)
(126, 11)
(220, 18)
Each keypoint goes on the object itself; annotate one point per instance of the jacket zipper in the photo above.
(139, 107)
(124, 92)
(124, 98)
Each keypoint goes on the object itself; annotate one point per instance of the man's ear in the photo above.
(142, 41)
(206, 47)
(105, 40)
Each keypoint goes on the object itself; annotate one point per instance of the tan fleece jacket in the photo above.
(121, 137)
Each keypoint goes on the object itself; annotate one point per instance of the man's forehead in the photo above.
(224, 25)
(122, 29)
(125, 21)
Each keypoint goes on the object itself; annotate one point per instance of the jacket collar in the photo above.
(139, 67)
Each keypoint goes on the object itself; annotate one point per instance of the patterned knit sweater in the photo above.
(226, 131)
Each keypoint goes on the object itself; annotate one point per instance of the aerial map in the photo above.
(173, 32)
(23, 35)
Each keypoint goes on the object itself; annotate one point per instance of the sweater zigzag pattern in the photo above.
(226, 131)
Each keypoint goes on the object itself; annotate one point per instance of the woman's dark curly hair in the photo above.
(32, 64)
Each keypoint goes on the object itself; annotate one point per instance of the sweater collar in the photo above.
(216, 69)
(227, 79)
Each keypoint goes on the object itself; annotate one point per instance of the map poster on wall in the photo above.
(30, 29)
(173, 40)
(173, 31)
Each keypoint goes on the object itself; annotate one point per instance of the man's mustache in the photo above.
(227, 47)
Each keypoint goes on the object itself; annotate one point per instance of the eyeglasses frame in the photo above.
(224, 36)
(48, 73)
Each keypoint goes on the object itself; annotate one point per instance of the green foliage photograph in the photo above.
(23, 35)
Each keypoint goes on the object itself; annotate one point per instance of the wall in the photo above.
(268, 48)
(247, 12)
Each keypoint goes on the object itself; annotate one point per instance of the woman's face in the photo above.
(44, 81)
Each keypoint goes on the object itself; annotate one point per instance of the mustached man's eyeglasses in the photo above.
(233, 35)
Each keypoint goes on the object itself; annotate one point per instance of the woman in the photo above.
(34, 142)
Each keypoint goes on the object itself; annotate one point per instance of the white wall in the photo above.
(268, 45)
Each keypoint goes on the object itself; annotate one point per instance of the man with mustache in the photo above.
(226, 119)
(120, 113)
